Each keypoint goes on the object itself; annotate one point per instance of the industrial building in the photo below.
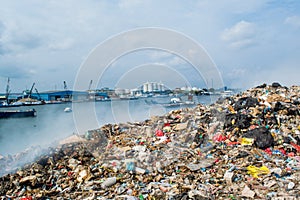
(63, 95)
(153, 87)
(66, 95)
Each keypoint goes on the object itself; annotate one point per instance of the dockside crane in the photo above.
(30, 92)
(7, 91)
(65, 85)
(90, 85)
(37, 92)
(68, 95)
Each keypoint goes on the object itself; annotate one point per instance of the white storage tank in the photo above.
(145, 87)
(150, 87)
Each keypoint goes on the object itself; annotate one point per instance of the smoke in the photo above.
(24, 139)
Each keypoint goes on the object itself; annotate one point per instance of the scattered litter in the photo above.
(244, 146)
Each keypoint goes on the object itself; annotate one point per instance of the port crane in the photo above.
(65, 85)
(30, 92)
(90, 85)
(37, 92)
(7, 91)
(68, 95)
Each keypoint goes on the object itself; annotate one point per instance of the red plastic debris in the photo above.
(282, 151)
(219, 137)
(70, 173)
(268, 151)
(159, 133)
(252, 127)
(167, 124)
(26, 198)
(291, 154)
(297, 147)
(233, 143)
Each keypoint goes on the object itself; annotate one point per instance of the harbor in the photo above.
(149, 89)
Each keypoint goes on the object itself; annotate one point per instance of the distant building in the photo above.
(109, 92)
(97, 95)
(152, 87)
(120, 91)
(136, 92)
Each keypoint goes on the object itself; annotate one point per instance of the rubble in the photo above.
(242, 147)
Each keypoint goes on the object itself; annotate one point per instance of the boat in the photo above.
(17, 113)
(102, 99)
(227, 93)
(68, 109)
(5, 105)
(128, 98)
(53, 102)
(174, 102)
(27, 100)
(31, 102)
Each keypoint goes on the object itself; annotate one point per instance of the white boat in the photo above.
(227, 93)
(68, 109)
(174, 102)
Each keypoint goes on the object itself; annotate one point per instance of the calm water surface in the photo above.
(52, 123)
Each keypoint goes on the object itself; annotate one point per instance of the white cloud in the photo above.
(62, 45)
(237, 72)
(176, 61)
(32, 71)
(240, 35)
(165, 58)
(293, 20)
(233, 6)
(158, 55)
(128, 4)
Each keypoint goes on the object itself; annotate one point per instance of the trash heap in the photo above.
(243, 147)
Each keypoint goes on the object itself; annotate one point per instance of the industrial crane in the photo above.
(90, 85)
(65, 85)
(68, 95)
(37, 92)
(7, 91)
(30, 92)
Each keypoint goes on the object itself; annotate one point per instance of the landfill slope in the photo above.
(243, 147)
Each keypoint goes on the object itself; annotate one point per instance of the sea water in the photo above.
(53, 124)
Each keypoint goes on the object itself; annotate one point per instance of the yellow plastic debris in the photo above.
(247, 141)
(231, 109)
(255, 171)
(233, 121)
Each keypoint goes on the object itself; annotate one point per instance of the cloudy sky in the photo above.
(46, 42)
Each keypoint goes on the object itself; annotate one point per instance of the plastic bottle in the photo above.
(109, 182)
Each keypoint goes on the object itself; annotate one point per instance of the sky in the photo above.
(250, 42)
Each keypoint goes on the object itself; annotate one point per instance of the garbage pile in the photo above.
(242, 147)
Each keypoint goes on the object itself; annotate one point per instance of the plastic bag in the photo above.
(255, 171)
(247, 141)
